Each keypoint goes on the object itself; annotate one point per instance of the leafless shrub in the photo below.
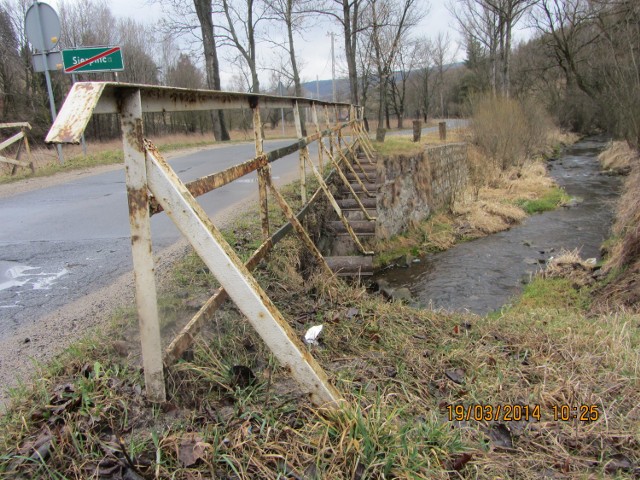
(508, 131)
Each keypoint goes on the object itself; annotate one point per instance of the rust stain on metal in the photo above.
(206, 184)
(75, 113)
(138, 201)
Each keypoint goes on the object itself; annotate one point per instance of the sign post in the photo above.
(42, 27)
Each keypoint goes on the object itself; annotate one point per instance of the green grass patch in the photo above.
(398, 145)
(549, 201)
(553, 293)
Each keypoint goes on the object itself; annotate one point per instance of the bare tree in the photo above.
(180, 19)
(390, 23)
(10, 68)
(243, 18)
(568, 31)
(403, 67)
(491, 23)
(348, 15)
(479, 23)
(509, 12)
(442, 56)
(423, 76)
(212, 66)
(134, 38)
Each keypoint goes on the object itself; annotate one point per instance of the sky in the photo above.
(314, 48)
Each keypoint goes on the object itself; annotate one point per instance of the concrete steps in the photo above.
(350, 266)
(346, 260)
(351, 204)
(371, 188)
(362, 228)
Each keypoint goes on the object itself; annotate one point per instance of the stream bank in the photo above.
(483, 275)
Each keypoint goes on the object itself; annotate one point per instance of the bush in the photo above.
(507, 130)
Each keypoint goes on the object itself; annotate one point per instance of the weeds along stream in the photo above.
(485, 274)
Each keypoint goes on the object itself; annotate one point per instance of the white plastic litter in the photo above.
(311, 337)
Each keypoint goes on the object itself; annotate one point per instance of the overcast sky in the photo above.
(314, 49)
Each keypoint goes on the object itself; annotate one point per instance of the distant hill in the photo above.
(309, 89)
(342, 86)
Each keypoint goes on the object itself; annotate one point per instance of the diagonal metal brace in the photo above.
(297, 226)
(238, 282)
(336, 207)
(348, 184)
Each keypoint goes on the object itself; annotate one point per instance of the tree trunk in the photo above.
(294, 64)
(212, 67)
(350, 20)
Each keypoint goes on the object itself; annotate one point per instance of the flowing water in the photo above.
(483, 275)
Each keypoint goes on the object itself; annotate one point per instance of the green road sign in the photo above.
(92, 59)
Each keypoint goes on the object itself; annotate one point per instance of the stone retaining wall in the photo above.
(413, 186)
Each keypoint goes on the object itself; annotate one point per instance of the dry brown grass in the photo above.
(618, 158)
(623, 261)
(570, 265)
(393, 364)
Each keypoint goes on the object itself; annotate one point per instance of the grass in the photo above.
(550, 200)
(404, 144)
(402, 371)
(391, 362)
(106, 157)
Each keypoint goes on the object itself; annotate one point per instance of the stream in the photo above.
(483, 275)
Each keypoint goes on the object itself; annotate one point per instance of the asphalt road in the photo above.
(59, 243)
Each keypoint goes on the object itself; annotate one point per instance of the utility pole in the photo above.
(333, 63)
(317, 88)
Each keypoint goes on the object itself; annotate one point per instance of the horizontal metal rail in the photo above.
(88, 98)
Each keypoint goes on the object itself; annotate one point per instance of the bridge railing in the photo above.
(153, 186)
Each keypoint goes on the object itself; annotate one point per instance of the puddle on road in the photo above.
(483, 275)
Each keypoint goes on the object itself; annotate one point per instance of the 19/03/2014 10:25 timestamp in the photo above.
(517, 412)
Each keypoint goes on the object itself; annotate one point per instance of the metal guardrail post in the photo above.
(142, 251)
(336, 116)
(327, 121)
(304, 153)
(314, 118)
(262, 173)
(152, 186)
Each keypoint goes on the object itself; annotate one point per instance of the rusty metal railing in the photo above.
(21, 137)
(152, 186)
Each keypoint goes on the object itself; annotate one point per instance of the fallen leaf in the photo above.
(456, 330)
(618, 462)
(500, 436)
(456, 375)
(352, 312)
(192, 449)
(459, 461)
